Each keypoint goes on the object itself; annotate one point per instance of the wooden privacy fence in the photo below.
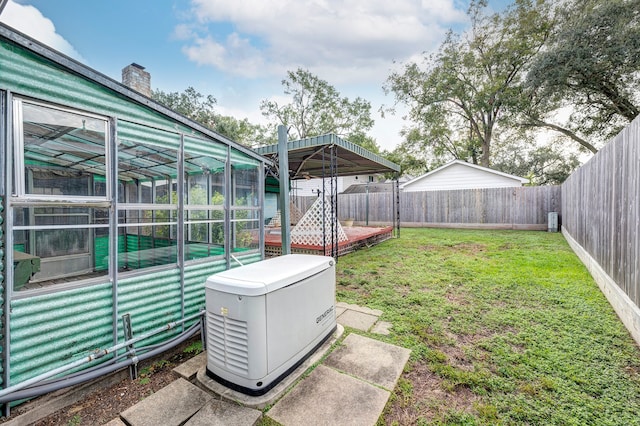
(502, 208)
(495, 208)
(601, 221)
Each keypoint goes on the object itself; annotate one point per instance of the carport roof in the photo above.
(306, 158)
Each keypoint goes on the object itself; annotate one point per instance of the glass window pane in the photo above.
(139, 162)
(64, 152)
(245, 235)
(205, 183)
(143, 247)
(245, 185)
(61, 244)
(147, 236)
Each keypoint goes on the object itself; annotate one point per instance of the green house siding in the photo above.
(52, 329)
(2, 283)
(27, 74)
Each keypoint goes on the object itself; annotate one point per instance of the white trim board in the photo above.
(627, 311)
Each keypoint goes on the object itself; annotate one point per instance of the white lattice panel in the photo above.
(294, 216)
(275, 221)
(308, 231)
(295, 213)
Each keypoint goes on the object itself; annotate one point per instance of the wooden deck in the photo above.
(359, 236)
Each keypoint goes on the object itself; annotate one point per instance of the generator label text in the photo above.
(324, 315)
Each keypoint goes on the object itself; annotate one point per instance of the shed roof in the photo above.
(75, 67)
(470, 165)
(306, 158)
(372, 187)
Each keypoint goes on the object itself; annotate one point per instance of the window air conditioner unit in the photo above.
(264, 319)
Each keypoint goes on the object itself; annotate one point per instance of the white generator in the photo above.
(264, 319)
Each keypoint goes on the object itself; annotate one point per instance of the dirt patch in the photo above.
(352, 284)
(427, 400)
(471, 248)
(454, 297)
(107, 403)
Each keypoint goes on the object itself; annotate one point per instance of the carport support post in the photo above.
(283, 168)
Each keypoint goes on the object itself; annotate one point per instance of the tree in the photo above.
(244, 132)
(591, 63)
(549, 163)
(411, 161)
(317, 108)
(457, 98)
(200, 108)
(190, 103)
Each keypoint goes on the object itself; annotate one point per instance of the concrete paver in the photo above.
(171, 405)
(350, 387)
(278, 390)
(327, 397)
(371, 360)
(382, 327)
(363, 309)
(357, 320)
(189, 368)
(223, 413)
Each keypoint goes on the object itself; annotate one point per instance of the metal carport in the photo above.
(328, 157)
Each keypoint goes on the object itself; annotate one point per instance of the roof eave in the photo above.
(84, 71)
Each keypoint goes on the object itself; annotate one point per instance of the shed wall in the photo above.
(458, 176)
(56, 328)
(25, 73)
(3, 282)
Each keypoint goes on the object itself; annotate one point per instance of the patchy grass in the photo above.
(504, 326)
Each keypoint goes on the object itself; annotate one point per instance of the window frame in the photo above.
(20, 170)
(110, 200)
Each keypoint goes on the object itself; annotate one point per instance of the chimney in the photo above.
(135, 77)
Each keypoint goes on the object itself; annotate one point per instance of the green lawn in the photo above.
(505, 327)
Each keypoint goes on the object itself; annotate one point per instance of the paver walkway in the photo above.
(351, 386)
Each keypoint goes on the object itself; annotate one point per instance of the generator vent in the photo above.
(227, 343)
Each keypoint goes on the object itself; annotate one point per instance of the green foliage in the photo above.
(145, 373)
(549, 164)
(76, 420)
(201, 108)
(591, 62)
(457, 96)
(189, 103)
(193, 348)
(317, 108)
(507, 323)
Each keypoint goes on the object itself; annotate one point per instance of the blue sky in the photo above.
(240, 50)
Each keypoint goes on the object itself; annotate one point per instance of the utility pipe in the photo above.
(94, 374)
(92, 357)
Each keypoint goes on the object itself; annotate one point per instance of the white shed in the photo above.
(462, 175)
(310, 187)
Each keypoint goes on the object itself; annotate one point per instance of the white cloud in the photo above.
(29, 20)
(349, 40)
(235, 55)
